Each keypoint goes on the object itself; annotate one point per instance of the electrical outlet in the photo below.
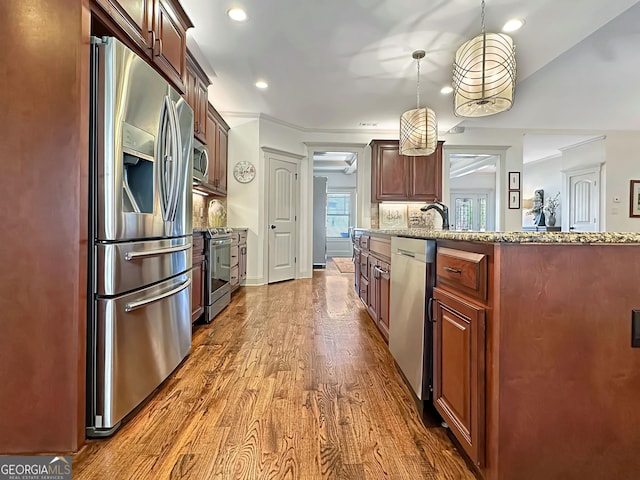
(615, 211)
(201, 212)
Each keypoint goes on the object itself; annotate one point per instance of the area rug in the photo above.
(345, 265)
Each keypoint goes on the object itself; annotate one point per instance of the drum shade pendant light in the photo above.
(484, 75)
(418, 127)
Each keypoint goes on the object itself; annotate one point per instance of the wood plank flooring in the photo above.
(291, 381)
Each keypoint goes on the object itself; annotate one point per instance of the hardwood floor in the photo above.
(291, 381)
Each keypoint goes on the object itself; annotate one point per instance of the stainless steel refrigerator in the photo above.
(141, 143)
(319, 222)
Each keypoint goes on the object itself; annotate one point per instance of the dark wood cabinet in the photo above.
(169, 40)
(372, 298)
(384, 295)
(197, 277)
(197, 96)
(238, 259)
(396, 177)
(372, 259)
(458, 371)
(158, 28)
(356, 265)
(217, 139)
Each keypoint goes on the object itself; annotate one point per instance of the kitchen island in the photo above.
(534, 369)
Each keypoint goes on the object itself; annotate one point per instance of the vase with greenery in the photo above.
(552, 206)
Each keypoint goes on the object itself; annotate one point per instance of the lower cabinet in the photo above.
(234, 277)
(372, 259)
(459, 370)
(197, 277)
(238, 260)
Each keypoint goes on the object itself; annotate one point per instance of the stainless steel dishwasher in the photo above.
(410, 328)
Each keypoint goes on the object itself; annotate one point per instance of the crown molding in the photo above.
(283, 153)
(293, 126)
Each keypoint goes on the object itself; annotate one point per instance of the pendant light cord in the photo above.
(484, 56)
(418, 89)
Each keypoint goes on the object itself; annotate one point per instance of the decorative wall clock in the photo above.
(244, 172)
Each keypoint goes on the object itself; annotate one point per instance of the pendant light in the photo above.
(484, 75)
(418, 127)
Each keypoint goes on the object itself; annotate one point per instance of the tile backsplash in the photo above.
(402, 215)
(201, 209)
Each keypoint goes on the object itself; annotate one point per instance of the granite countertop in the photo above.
(514, 237)
(204, 229)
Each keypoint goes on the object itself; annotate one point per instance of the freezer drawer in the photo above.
(140, 339)
(124, 267)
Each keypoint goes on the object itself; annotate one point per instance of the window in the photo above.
(338, 214)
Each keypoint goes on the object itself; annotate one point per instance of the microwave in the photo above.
(200, 162)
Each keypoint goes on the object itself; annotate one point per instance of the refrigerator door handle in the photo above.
(135, 305)
(165, 144)
(176, 158)
(153, 253)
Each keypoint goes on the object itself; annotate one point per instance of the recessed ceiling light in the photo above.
(513, 25)
(237, 14)
(446, 90)
(262, 84)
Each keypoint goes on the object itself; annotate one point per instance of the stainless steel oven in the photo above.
(218, 266)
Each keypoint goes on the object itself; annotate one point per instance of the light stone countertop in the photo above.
(514, 237)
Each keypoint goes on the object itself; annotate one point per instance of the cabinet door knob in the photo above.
(272, 227)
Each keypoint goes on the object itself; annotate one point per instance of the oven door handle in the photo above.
(134, 305)
(217, 243)
(153, 253)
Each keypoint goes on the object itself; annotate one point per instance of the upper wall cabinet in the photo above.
(157, 27)
(217, 135)
(401, 178)
(197, 96)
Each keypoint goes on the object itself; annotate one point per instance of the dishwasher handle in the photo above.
(406, 253)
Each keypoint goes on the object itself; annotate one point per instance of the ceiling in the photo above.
(335, 64)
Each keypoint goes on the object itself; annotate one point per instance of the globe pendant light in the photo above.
(418, 127)
(484, 75)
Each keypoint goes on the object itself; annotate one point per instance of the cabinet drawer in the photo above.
(234, 256)
(462, 271)
(380, 247)
(364, 242)
(234, 276)
(198, 244)
(242, 234)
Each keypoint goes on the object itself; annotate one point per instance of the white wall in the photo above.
(622, 151)
(243, 208)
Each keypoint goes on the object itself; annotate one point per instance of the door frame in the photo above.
(288, 157)
(363, 195)
(599, 171)
(500, 204)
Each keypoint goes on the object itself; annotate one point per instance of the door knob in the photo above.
(572, 228)
(272, 227)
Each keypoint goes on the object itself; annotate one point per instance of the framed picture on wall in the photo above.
(634, 200)
(514, 200)
(514, 180)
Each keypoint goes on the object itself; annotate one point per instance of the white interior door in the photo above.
(584, 201)
(282, 220)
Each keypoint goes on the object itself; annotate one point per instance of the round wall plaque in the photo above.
(244, 172)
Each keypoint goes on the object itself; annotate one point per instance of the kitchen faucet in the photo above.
(442, 209)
